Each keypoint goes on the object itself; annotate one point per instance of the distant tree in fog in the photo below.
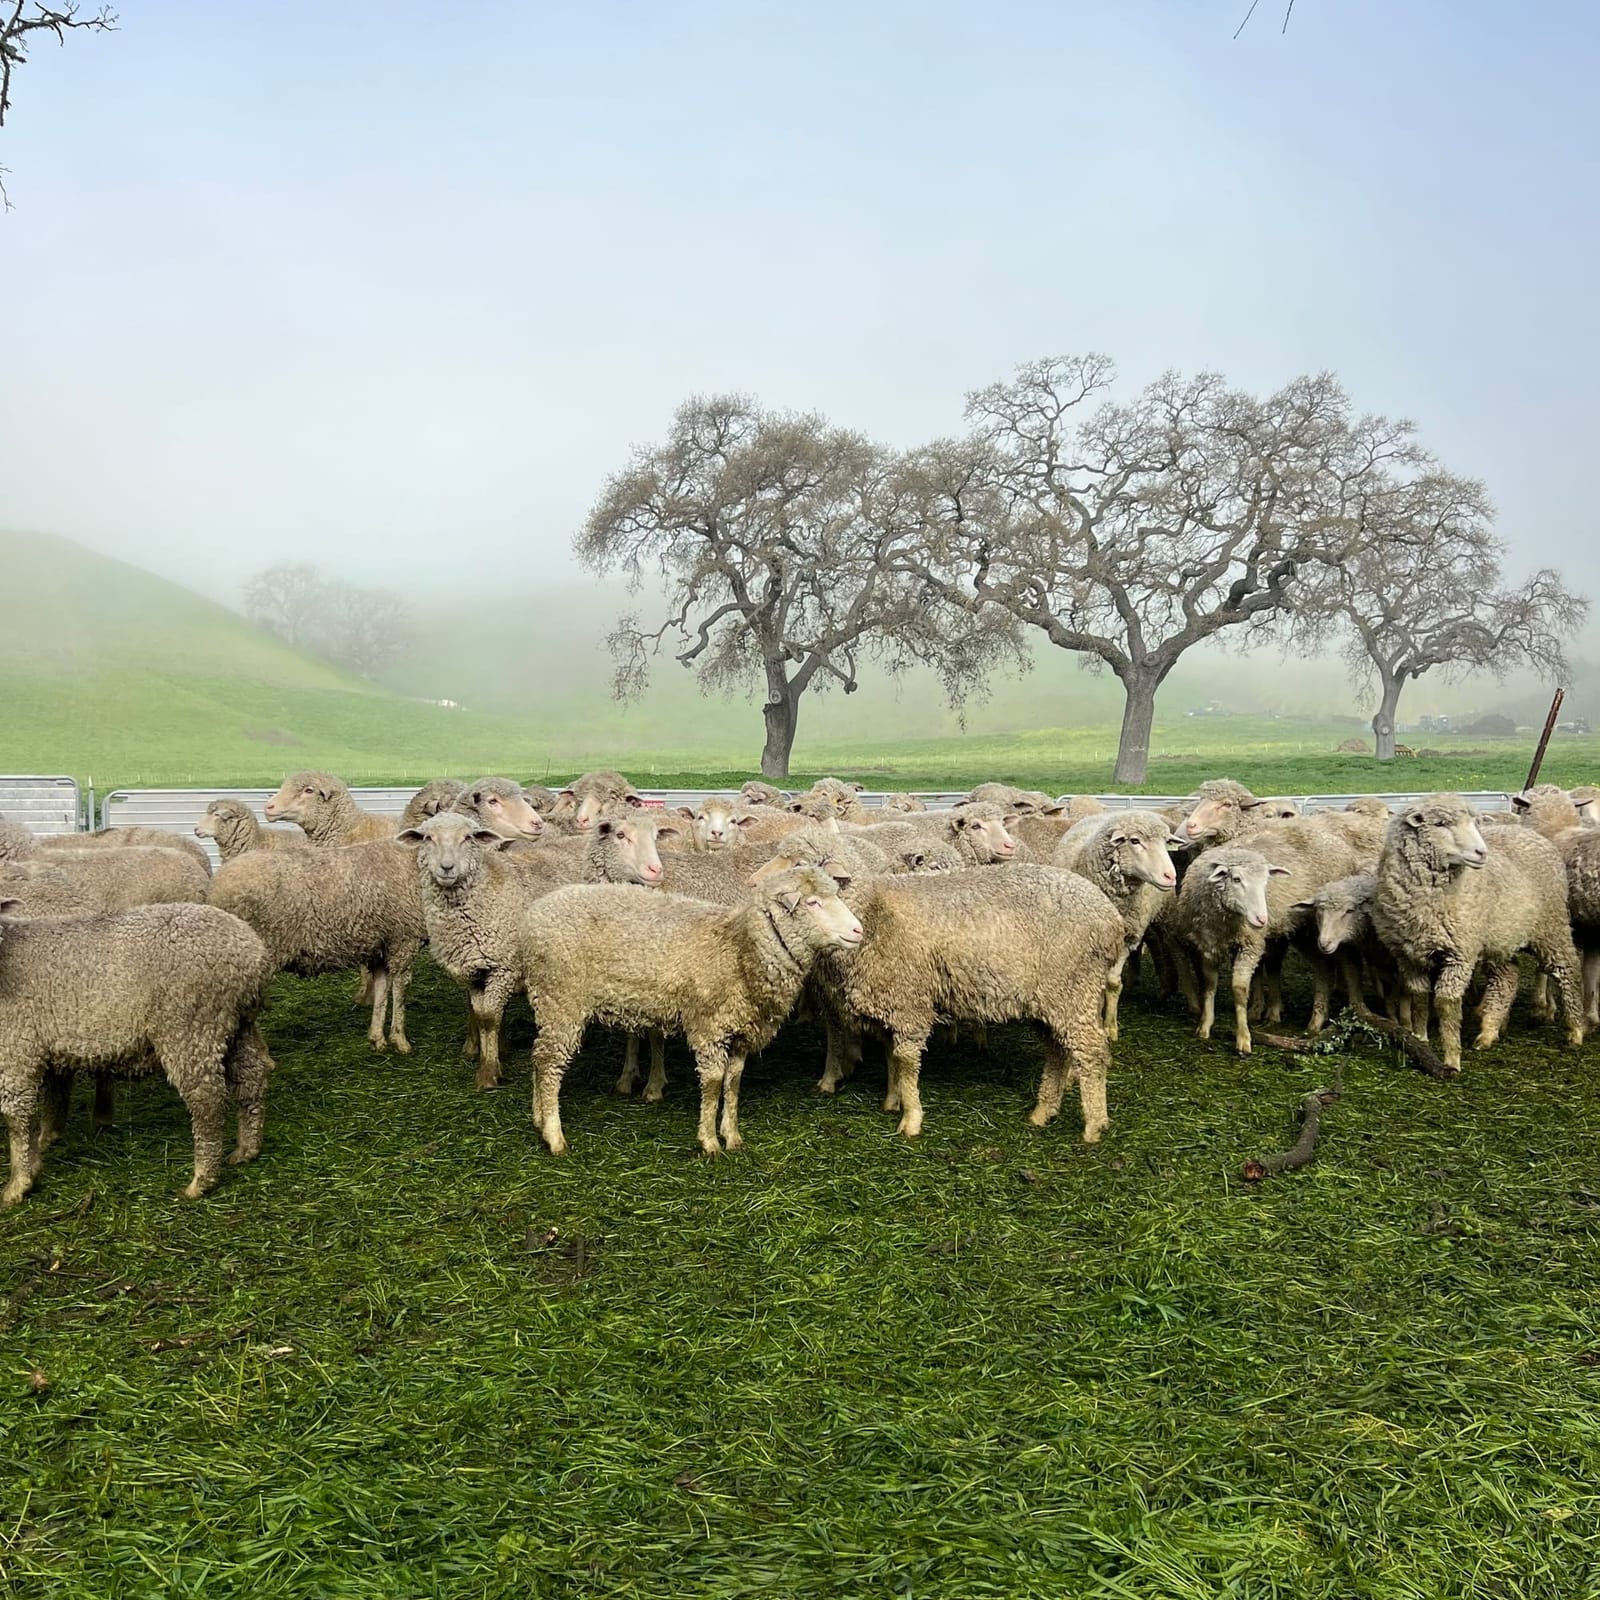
(1129, 532)
(773, 535)
(1421, 590)
(355, 627)
(22, 25)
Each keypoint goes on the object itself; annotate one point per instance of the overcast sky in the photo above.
(393, 288)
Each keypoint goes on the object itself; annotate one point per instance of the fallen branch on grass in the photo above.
(1305, 1146)
(1418, 1052)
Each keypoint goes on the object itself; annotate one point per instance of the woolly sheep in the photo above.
(327, 910)
(1580, 851)
(581, 803)
(726, 977)
(1369, 805)
(1586, 797)
(1447, 899)
(138, 875)
(757, 793)
(714, 824)
(1341, 923)
(175, 986)
(326, 811)
(978, 831)
(499, 805)
(898, 802)
(1125, 857)
(845, 799)
(232, 825)
(40, 890)
(1017, 942)
(432, 798)
(542, 799)
(127, 838)
(1546, 809)
(474, 889)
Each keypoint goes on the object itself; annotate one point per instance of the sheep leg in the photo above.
(206, 1097)
(730, 1102)
(364, 988)
(1052, 1082)
(1562, 966)
(656, 1086)
(400, 963)
(471, 1046)
(711, 1062)
(246, 1068)
(1245, 961)
(1187, 984)
(1114, 996)
(844, 1051)
(488, 1012)
(1090, 1051)
(905, 1069)
(105, 1104)
(630, 1065)
(1541, 1001)
(557, 1043)
(1273, 967)
(22, 1130)
(380, 1003)
(1354, 990)
(1208, 996)
(1499, 990)
(53, 1105)
(1322, 993)
(1591, 987)
(1448, 992)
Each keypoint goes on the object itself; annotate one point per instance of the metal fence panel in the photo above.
(43, 805)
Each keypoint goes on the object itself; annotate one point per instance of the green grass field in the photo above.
(408, 1354)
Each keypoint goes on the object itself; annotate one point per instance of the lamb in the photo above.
(581, 803)
(1546, 809)
(1012, 943)
(1341, 921)
(499, 805)
(897, 802)
(175, 986)
(126, 838)
(326, 811)
(232, 825)
(432, 798)
(725, 977)
(473, 890)
(330, 909)
(1369, 805)
(1446, 899)
(1125, 857)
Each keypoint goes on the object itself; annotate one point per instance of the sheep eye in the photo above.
(813, 902)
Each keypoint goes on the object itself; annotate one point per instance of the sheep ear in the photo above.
(1052, 811)
(1415, 817)
(604, 826)
(1520, 802)
(1176, 842)
(566, 794)
(1304, 905)
(797, 805)
(686, 811)
(487, 836)
(789, 902)
(843, 879)
(411, 836)
(635, 800)
(1219, 871)
(1277, 872)
(745, 822)
(6, 903)
(668, 830)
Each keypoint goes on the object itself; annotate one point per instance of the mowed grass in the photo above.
(407, 1353)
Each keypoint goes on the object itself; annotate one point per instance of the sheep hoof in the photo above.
(1038, 1116)
(557, 1147)
(402, 1045)
(652, 1097)
(486, 1078)
(624, 1087)
(197, 1188)
(1202, 1033)
(827, 1085)
(1092, 1135)
(710, 1147)
(1574, 1037)
(733, 1142)
(1485, 1041)
(1243, 1047)
(378, 1045)
(11, 1194)
(909, 1129)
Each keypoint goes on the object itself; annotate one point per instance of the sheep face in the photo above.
(1142, 856)
(593, 793)
(630, 843)
(500, 806)
(804, 906)
(1273, 810)
(1342, 913)
(222, 816)
(903, 804)
(982, 831)
(301, 795)
(805, 847)
(715, 824)
(1368, 805)
(1240, 885)
(1446, 833)
(451, 847)
(1216, 818)
(1586, 797)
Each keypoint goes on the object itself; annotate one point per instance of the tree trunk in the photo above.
(1383, 718)
(782, 712)
(1138, 713)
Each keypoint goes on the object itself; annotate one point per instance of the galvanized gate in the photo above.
(42, 805)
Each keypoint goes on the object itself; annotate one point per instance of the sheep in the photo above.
(429, 801)
(580, 804)
(175, 986)
(1546, 809)
(473, 889)
(1225, 811)
(499, 805)
(1008, 797)
(899, 802)
(714, 823)
(1275, 810)
(757, 793)
(543, 799)
(127, 838)
(326, 910)
(1125, 857)
(1580, 851)
(758, 826)
(1231, 896)
(979, 832)
(1369, 805)
(1447, 899)
(844, 798)
(1586, 797)
(233, 827)
(1039, 831)
(1011, 943)
(326, 811)
(1080, 806)
(40, 890)
(116, 879)
(726, 977)
(1341, 922)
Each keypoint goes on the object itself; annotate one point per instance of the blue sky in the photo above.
(394, 288)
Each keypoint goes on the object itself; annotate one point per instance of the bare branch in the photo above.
(56, 20)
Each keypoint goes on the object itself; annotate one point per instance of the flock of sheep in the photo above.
(121, 952)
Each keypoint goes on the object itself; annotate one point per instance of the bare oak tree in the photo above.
(20, 21)
(1129, 533)
(773, 537)
(289, 600)
(1422, 590)
(360, 628)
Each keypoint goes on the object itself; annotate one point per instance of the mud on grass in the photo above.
(409, 1354)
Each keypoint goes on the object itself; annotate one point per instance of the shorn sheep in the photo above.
(1015, 943)
(326, 811)
(725, 977)
(234, 828)
(1447, 900)
(332, 909)
(172, 986)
